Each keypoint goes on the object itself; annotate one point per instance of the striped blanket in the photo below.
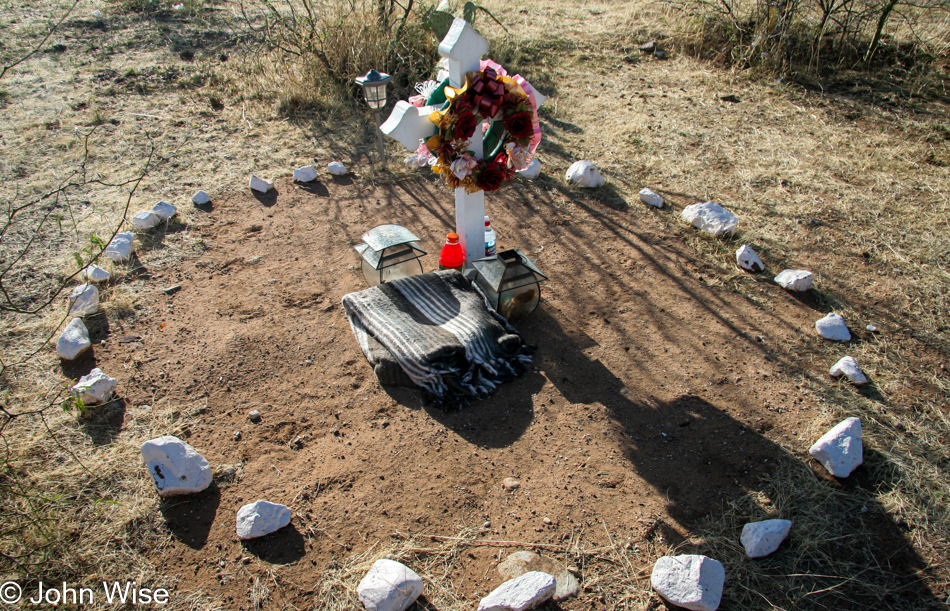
(435, 331)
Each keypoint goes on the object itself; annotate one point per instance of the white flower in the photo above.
(518, 156)
(463, 166)
(426, 88)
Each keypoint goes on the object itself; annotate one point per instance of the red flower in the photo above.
(519, 125)
(490, 177)
(465, 126)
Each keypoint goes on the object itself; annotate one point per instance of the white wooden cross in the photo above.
(464, 48)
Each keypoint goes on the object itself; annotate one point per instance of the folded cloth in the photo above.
(440, 333)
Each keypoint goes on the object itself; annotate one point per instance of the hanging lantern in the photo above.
(511, 282)
(389, 252)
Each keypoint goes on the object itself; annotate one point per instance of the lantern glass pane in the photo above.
(520, 302)
(375, 96)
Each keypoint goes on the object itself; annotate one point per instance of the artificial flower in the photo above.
(464, 166)
(465, 126)
(518, 156)
(519, 125)
(489, 177)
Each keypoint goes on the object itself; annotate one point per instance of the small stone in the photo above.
(83, 300)
(97, 14)
(659, 54)
(871, 328)
(261, 518)
(651, 198)
(389, 586)
(95, 387)
(94, 273)
(306, 174)
(763, 538)
(510, 483)
(532, 171)
(73, 341)
(833, 327)
(521, 593)
(840, 450)
(486, 525)
(201, 198)
(336, 168)
(849, 367)
(259, 184)
(171, 290)
(747, 259)
(547, 521)
(585, 174)
(689, 581)
(145, 219)
(649, 47)
(175, 467)
(121, 247)
(712, 218)
(254, 415)
(164, 210)
(519, 563)
(799, 280)
(237, 435)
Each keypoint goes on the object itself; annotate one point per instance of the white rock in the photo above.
(84, 300)
(763, 538)
(261, 518)
(164, 210)
(97, 14)
(201, 198)
(521, 593)
(121, 247)
(259, 184)
(689, 581)
(336, 168)
(798, 280)
(532, 171)
(746, 258)
(306, 174)
(585, 174)
(840, 450)
(94, 273)
(650, 198)
(833, 327)
(519, 563)
(73, 341)
(145, 219)
(95, 387)
(849, 367)
(175, 467)
(389, 586)
(711, 218)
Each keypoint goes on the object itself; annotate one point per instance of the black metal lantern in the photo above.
(374, 88)
(511, 282)
(389, 252)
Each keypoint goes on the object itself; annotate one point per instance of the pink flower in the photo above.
(518, 156)
(463, 166)
(417, 100)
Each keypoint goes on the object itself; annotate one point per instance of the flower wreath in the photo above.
(509, 142)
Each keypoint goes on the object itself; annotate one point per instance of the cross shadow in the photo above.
(281, 547)
(189, 517)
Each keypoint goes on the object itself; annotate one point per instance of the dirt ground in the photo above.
(653, 398)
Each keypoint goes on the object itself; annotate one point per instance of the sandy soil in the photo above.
(653, 398)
